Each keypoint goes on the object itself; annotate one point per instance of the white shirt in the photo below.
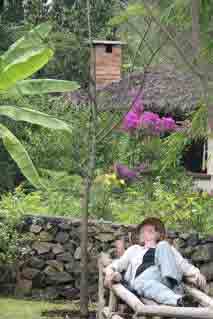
(133, 257)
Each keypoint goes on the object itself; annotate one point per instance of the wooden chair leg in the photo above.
(113, 302)
(101, 290)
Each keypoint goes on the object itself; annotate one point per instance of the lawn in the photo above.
(25, 309)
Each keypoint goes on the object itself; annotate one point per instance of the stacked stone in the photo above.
(50, 268)
(50, 265)
(198, 249)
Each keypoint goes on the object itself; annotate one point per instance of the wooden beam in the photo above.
(160, 310)
(176, 312)
(151, 302)
(127, 296)
(148, 302)
(199, 296)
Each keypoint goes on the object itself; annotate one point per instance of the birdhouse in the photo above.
(106, 62)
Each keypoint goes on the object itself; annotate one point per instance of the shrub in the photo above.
(174, 201)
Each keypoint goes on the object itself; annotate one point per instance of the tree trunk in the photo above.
(195, 11)
(84, 256)
(84, 297)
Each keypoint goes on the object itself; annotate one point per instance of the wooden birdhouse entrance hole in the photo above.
(109, 48)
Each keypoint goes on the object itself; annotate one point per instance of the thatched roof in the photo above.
(165, 90)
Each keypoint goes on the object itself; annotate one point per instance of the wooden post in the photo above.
(106, 314)
(103, 261)
(113, 301)
(210, 158)
(101, 289)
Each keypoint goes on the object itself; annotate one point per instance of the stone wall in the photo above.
(50, 266)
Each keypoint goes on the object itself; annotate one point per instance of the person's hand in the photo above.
(111, 278)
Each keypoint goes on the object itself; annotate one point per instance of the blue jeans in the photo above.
(153, 282)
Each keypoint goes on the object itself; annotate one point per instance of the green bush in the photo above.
(61, 198)
(174, 201)
(10, 238)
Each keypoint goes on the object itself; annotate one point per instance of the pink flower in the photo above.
(131, 121)
(127, 174)
(132, 92)
(151, 121)
(137, 106)
(168, 124)
(137, 119)
(149, 118)
(124, 172)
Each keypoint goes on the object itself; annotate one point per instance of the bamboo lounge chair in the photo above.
(143, 308)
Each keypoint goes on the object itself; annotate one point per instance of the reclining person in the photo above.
(154, 269)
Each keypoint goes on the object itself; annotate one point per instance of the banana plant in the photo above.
(17, 66)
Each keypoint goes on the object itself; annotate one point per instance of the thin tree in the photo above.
(195, 12)
(88, 181)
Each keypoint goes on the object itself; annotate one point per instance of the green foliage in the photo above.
(21, 60)
(20, 156)
(199, 125)
(173, 200)
(176, 13)
(38, 87)
(173, 146)
(10, 239)
(34, 117)
(57, 150)
(105, 186)
(12, 175)
(170, 195)
(132, 10)
(11, 11)
(60, 198)
(34, 309)
(171, 152)
(31, 40)
(70, 33)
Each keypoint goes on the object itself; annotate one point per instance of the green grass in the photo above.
(25, 309)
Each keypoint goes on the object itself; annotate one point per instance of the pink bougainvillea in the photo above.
(168, 124)
(131, 121)
(128, 174)
(137, 106)
(125, 173)
(151, 123)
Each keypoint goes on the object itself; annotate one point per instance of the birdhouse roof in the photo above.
(106, 42)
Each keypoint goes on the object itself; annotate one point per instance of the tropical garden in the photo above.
(61, 154)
